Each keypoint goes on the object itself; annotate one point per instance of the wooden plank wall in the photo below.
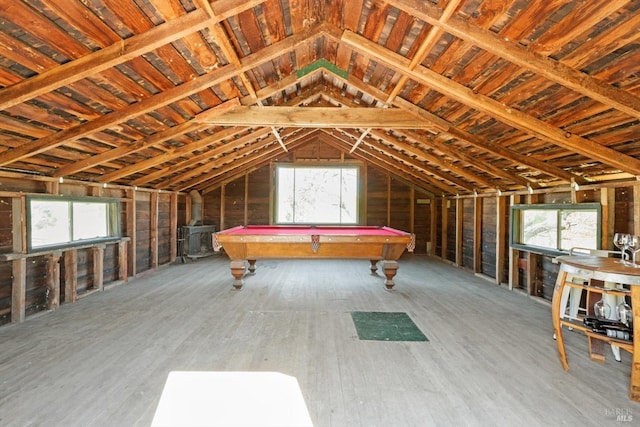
(451, 207)
(164, 228)
(488, 237)
(84, 271)
(467, 233)
(377, 197)
(388, 201)
(258, 196)
(143, 232)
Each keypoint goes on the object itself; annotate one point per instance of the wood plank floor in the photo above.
(490, 359)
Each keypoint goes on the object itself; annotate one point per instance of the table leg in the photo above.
(596, 346)
(634, 386)
(374, 265)
(237, 270)
(390, 269)
(555, 316)
(252, 266)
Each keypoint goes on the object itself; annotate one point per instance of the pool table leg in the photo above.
(252, 265)
(374, 265)
(390, 269)
(237, 270)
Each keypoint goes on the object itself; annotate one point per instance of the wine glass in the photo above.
(625, 313)
(601, 309)
(620, 242)
(633, 244)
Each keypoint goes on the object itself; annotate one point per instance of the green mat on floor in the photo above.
(386, 326)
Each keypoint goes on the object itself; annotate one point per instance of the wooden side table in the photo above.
(606, 270)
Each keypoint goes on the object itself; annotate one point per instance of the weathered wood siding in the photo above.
(376, 197)
(467, 233)
(488, 237)
(164, 228)
(400, 206)
(422, 223)
(234, 200)
(258, 196)
(143, 232)
(437, 250)
(451, 230)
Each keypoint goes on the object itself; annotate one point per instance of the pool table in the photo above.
(249, 243)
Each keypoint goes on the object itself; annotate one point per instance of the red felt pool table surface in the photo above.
(307, 230)
(253, 242)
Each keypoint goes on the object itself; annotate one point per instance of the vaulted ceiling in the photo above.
(454, 96)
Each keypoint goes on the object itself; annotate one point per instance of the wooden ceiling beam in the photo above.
(427, 44)
(162, 99)
(202, 162)
(463, 157)
(238, 160)
(424, 182)
(232, 172)
(383, 160)
(121, 52)
(118, 53)
(144, 143)
(493, 108)
(320, 117)
(185, 150)
(474, 140)
(440, 162)
(406, 159)
(513, 52)
(103, 59)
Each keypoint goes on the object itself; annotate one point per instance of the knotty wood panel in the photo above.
(74, 190)
(438, 214)
(110, 269)
(234, 203)
(505, 243)
(211, 203)
(548, 274)
(377, 195)
(467, 233)
(143, 229)
(624, 205)
(451, 230)
(6, 274)
(400, 206)
(164, 228)
(258, 196)
(6, 225)
(23, 185)
(488, 237)
(36, 296)
(422, 223)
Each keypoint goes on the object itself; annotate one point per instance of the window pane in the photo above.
(349, 204)
(579, 230)
(284, 196)
(90, 220)
(49, 223)
(310, 195)
(540, 228)
(317, 196)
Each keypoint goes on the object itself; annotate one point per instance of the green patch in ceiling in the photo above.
(323, 63)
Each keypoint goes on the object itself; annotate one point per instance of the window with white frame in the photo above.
(54, 222)
(556, 229)
(316, 194)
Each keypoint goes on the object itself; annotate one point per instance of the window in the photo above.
(54, 222)
(316, 195)
(555, 229)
